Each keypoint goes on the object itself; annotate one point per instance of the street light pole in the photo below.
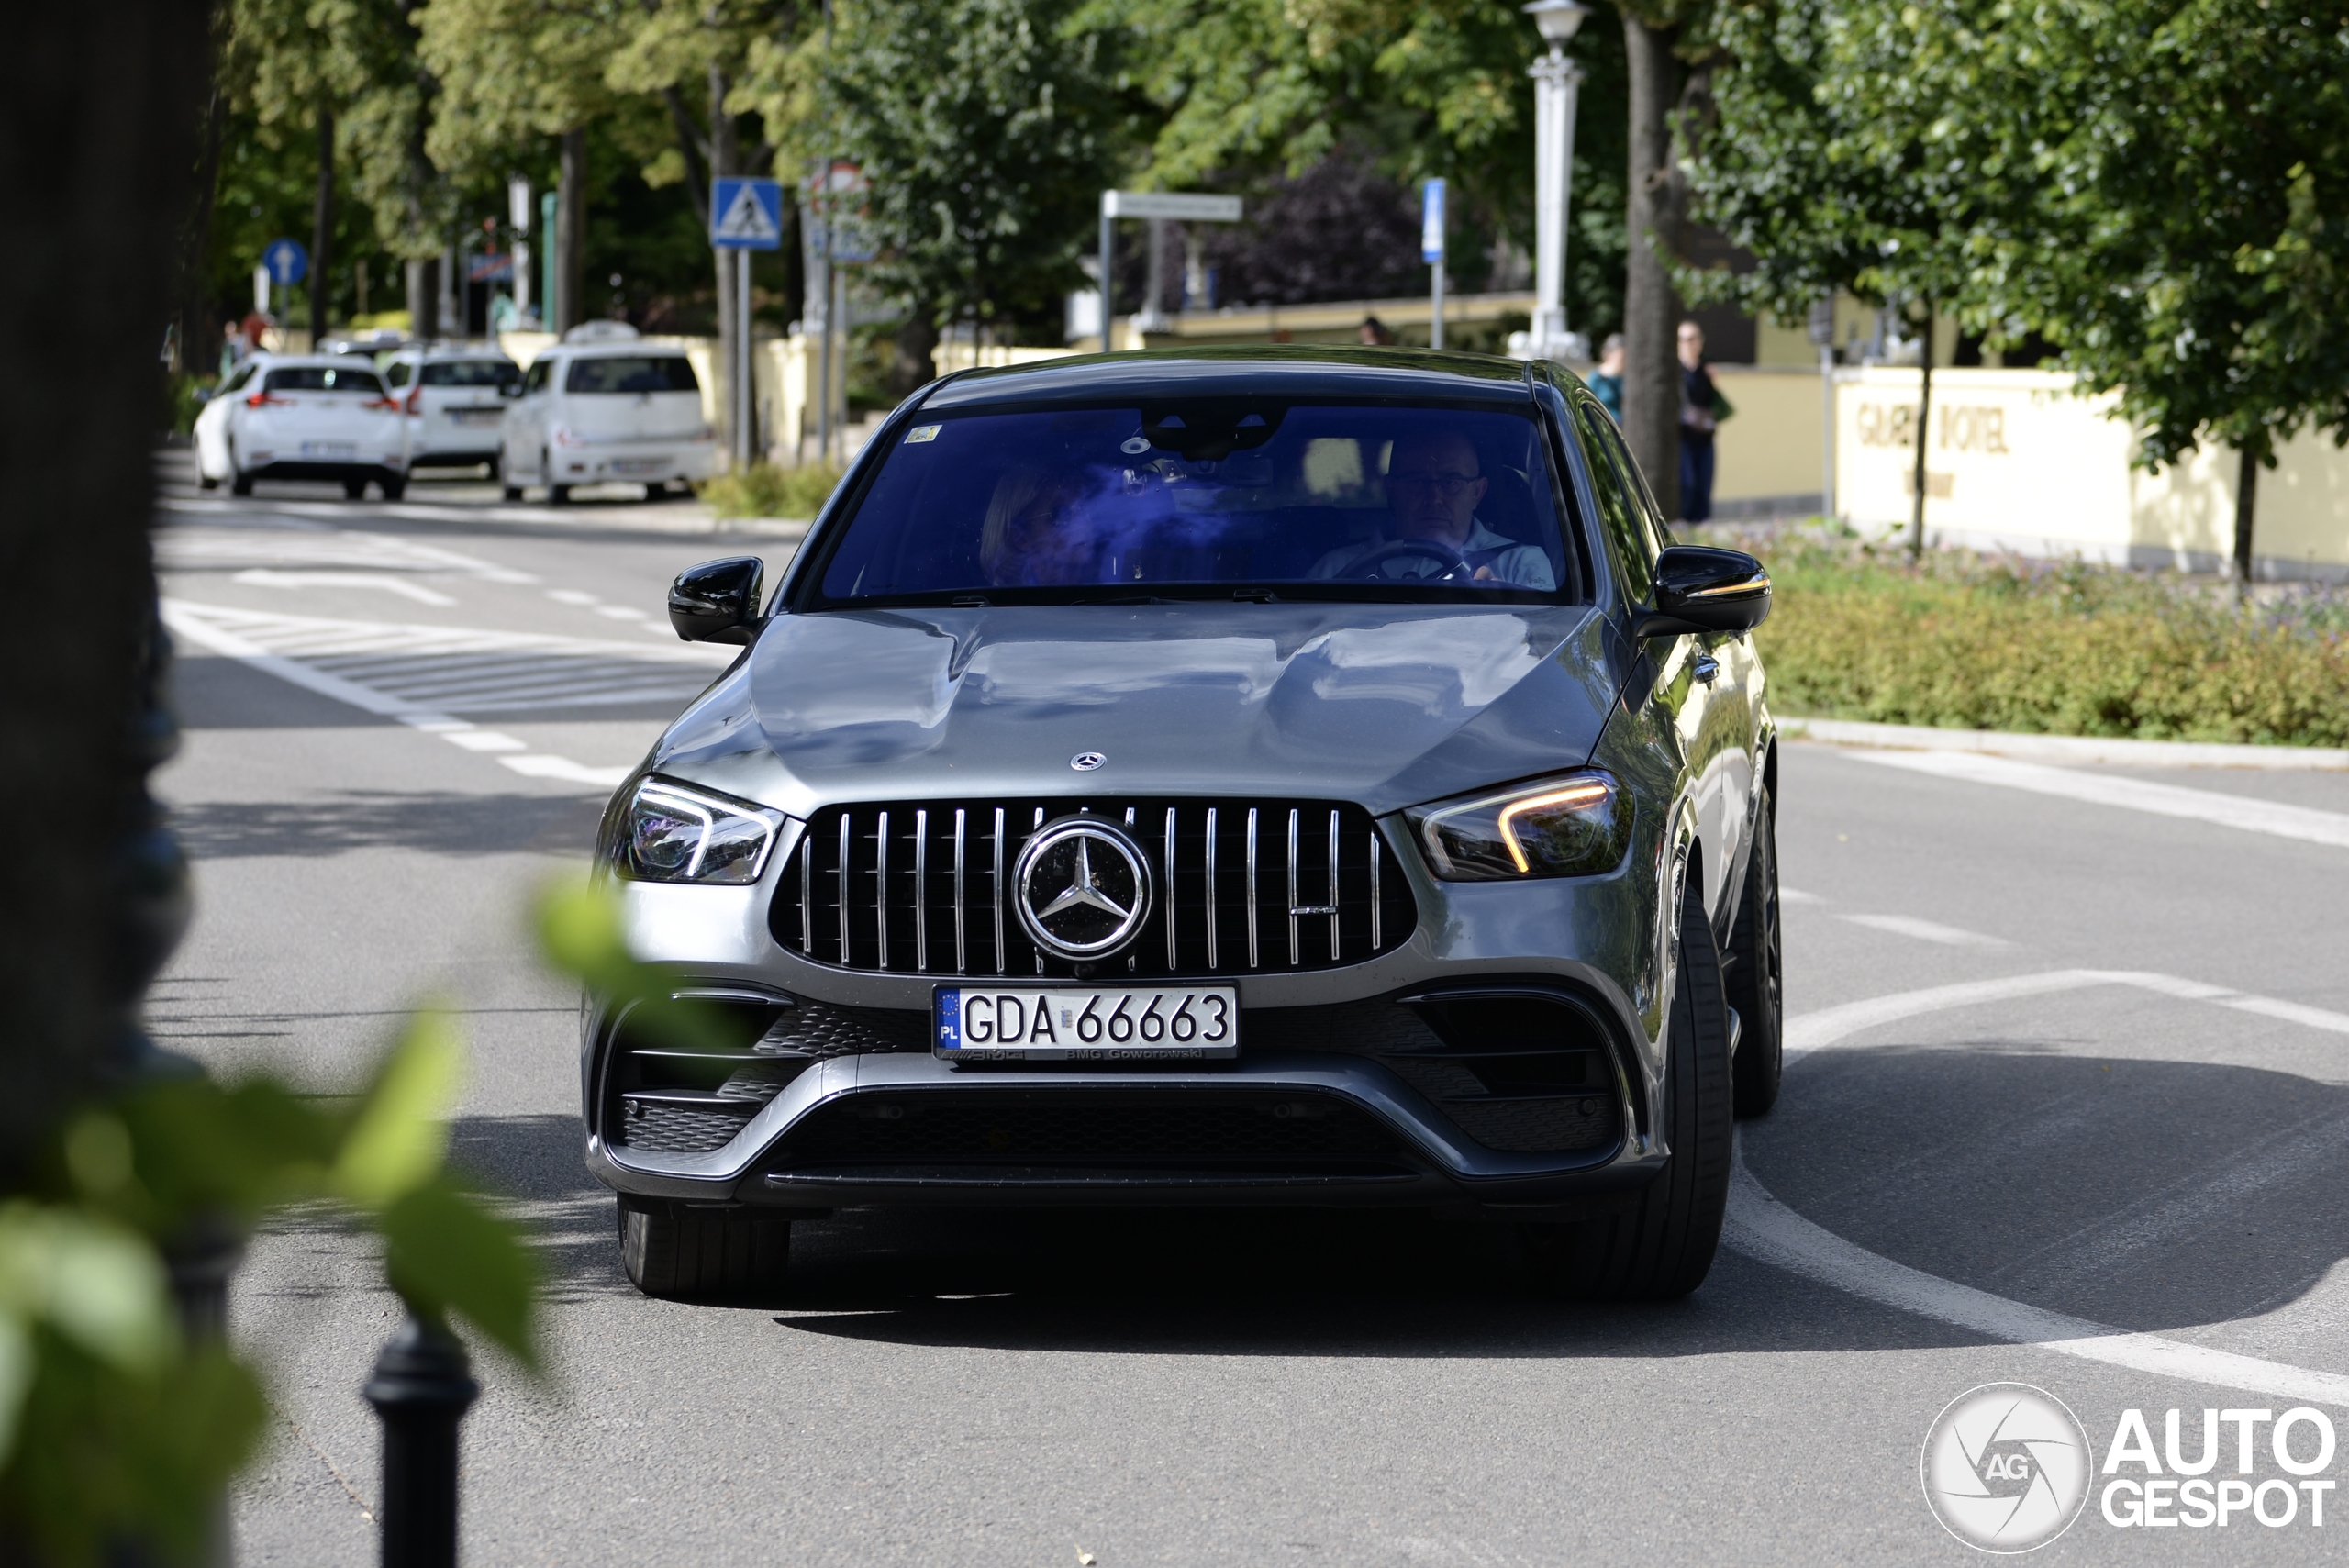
(1557, 84)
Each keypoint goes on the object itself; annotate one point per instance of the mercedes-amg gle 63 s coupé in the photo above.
(1215, 777)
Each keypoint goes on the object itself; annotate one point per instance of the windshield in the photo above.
(1190, 499)
(633, 373)
(322, 378)
(471, 372)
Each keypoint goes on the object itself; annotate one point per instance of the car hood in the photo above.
(1384, 704)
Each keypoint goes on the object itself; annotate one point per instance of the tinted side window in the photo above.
(237, 379)
(537, 380)
(397, 375)
(470, 373)
(633, 373)
(1621, 515)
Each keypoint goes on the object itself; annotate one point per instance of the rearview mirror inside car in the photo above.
(1699, 589)
(719, 600)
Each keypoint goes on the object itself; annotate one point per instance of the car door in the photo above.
(1691, 688)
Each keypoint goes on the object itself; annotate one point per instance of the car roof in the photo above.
(621, 347)
(1244, 371)
(306, 361)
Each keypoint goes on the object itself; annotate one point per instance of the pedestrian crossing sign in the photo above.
(746, 214)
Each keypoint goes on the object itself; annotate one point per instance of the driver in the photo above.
(1433, 486)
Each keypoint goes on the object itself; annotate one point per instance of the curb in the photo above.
(2066, 748)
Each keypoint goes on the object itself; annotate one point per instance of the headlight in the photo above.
(1570, 825)
(672, 833)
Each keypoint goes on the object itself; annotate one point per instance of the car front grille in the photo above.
(1204, 1132)
(1247, 886)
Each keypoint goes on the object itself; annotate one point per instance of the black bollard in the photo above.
(421, 1390)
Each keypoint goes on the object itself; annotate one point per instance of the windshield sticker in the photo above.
(921, 433)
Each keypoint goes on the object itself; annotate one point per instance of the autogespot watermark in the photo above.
(2008, 1468)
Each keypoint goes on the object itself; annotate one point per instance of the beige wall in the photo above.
(2015, 461)
(1769, 451)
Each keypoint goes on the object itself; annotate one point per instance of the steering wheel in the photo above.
(1371, 566)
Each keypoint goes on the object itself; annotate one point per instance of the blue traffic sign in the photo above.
(288, 262)
(746, 214)
(1431, 222)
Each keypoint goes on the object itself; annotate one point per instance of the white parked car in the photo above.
(454, 400)
(605, 407)
(302, 416)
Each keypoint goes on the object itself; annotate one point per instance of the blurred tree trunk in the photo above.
(199, 327)
(104, 101)
(1657, 205)
(571, 232)
(2246, 508)
(915, 365)
(322, 233)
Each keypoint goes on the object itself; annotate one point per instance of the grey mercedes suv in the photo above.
(1211, 777)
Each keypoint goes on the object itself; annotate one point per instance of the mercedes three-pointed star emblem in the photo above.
(1083, 887)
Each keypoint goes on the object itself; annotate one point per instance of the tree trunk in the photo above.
(423, 297)
(199, 346)
(1924, 419)
(1651, 309)
(571, 232)
(102, 104)
(730, 330)
(322, 234)
(2246, 506)
(915, 365)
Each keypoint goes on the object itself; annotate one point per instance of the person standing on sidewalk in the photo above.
(1607, 381)
(1702, 409)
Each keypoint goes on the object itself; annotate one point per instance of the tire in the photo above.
(671, 1250)
(1755, 980)
(393, 488)
(1659, 1243)
(513, 492)
(495, 465)
(205, 481)
(558, 494)
(240, 483)
(354, 489)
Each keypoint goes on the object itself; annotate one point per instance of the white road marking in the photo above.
(2251, 816)
(264, 577)
(1764, 1229)
(621, 612)
(1788, 896)
(237, 634)
(1923, 931)
(186, 546)
(572, 596)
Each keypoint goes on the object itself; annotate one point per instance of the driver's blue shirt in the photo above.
(1514, 566)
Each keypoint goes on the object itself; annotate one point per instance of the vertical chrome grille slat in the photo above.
(996, 883)
(962, 964)
(1211, 898)
(881, 887)
(1252, 887)
(847, 823)
(1376, 934)
(1336, 939)
(808, 891)
(1171, 902)
(921, 892)
(1295, 958)
(1032, 833)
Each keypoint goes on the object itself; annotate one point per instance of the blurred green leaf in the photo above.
(100, 1285)
(401, 1134)
(583, 933)
(446, 1252)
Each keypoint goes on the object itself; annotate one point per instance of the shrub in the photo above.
(1959, 640)
(763, 490)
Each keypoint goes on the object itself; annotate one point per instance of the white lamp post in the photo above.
(1556, 80)
(518, 201)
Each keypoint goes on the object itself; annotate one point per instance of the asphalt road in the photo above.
(2076, 1062)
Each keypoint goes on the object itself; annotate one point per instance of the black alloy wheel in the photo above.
(1658, 1243)
(1756, 986)
(671, 1249)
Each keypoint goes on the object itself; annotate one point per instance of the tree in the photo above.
(985, 129)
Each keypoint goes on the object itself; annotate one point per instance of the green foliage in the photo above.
(1962, 642)
(763, 490)
(111, 1425)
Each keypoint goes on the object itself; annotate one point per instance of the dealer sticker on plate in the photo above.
(1087, 1023)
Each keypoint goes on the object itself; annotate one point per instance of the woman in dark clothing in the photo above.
(1701, 410)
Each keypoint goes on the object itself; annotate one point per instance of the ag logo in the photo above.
(1084, 889)
(2006, 1467)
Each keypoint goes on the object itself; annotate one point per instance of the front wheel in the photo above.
(671, 1249)
(1659, 1243)
(393, 488)
(1755, 986)
(354, 489)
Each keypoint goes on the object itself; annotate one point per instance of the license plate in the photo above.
(478, 416)
(639, 465)
(329, 449)
(1087, 1023)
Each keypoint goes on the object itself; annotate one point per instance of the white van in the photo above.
(606, 407)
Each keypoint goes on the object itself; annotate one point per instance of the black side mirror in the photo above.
(719, 600)
(1699, 589)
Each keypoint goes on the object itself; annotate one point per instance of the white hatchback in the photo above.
(302, 416)
(455, 401)
(607, 410)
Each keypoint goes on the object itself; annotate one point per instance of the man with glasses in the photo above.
(1434, 484)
